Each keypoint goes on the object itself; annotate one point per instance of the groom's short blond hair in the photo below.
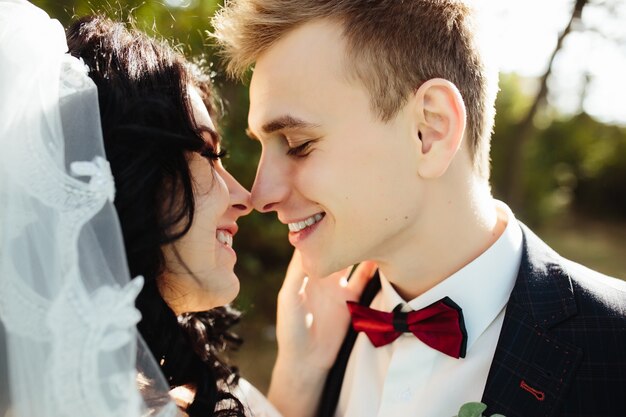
(393, 46)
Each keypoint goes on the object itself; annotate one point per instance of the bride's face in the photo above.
(199, 266)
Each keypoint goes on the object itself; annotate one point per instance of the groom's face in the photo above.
(345, 182)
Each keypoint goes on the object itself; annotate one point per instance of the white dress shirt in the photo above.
(409, 378)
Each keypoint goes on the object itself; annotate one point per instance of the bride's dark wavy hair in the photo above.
(149, 131)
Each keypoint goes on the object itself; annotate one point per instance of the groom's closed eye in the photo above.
(302, 150)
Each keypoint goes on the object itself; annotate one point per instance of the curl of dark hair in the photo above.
(148, 130)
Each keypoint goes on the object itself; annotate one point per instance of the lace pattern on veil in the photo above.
(66, 301)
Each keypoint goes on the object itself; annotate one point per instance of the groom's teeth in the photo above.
(298, 226)
(225, 238)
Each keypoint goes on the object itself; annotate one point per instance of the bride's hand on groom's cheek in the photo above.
(312, 317)
(311, 323)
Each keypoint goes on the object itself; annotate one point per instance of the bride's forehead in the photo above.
(200, 112)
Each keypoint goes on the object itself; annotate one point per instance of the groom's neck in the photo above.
(452, 232)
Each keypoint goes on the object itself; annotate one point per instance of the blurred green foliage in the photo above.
(572, 163)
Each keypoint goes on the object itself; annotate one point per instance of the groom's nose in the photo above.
(271, 185)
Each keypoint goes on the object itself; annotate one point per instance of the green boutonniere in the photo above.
(474, 410)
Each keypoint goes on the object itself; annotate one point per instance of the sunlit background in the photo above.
(590, 69)
(559, 146)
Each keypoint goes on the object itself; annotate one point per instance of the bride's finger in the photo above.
(361, 276)
(294, 277)
(329, 283)
(343, 276)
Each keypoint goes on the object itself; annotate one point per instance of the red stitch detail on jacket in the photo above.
(536, 393)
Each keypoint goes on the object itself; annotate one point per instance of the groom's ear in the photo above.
(439, 120)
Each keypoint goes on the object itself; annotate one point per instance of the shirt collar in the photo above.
(481, 288)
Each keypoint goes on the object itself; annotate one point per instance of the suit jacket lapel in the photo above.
(532, 369)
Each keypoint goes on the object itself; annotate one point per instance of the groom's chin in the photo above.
(318, 268)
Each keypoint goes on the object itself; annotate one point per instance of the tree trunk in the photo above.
(513, 182)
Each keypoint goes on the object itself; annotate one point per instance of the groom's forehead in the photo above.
(292, 80)
(284, 92)
(313, 50)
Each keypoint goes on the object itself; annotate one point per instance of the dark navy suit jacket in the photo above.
(562, 348)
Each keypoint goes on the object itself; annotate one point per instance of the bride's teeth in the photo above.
(225, 238)
(298, 226)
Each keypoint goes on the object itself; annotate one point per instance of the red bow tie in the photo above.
(440, 325)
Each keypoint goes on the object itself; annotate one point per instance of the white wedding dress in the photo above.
(257, 403)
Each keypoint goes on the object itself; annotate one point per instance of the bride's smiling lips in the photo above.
(225, 234)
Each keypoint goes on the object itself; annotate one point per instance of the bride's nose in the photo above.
(239, 196)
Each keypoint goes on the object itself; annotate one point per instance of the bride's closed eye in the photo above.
(212, 143)
(210, 153)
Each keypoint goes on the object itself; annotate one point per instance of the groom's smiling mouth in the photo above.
(301, 229)
(308, 222)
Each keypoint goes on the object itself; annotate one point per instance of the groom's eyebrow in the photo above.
(285, 122)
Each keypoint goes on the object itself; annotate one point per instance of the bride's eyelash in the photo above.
(209, 153)
(301, 150)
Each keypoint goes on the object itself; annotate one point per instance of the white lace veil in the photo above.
(68, 340)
